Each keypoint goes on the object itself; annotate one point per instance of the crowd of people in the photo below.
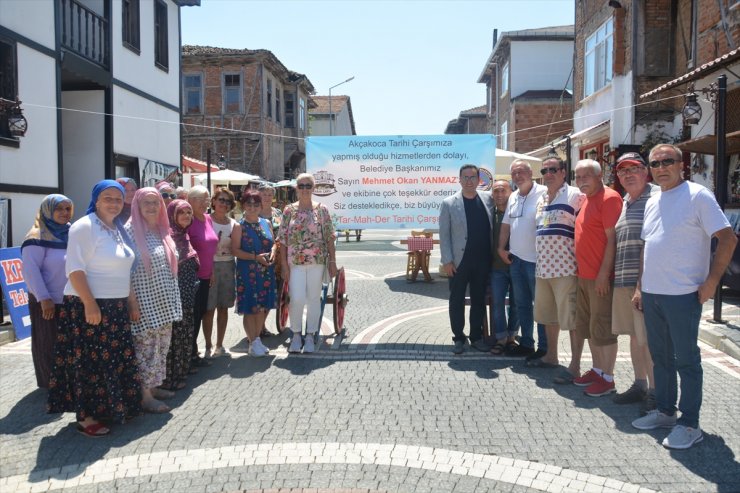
(597, 265)
(118, 297)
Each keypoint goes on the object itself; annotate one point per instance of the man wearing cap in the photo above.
(678, 276)
(556, 286)
(516, 247)
(595, 249)
(626, 319)
(465, 244)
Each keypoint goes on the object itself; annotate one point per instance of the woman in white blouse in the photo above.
(154, 283)
(95, 373)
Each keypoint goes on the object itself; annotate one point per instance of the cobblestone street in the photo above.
(388, 408)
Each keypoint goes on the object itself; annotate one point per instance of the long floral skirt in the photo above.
(95, 372)
(181, 345)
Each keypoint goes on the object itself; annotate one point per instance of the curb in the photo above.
(709, 334)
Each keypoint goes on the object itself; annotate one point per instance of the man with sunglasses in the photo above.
(465, 245)
(518, 231)
(678, 276)
(555, 288)
(626, 319)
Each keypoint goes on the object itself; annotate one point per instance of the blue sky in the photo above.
(415, 63)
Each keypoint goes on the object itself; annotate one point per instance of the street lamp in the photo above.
(331, 130)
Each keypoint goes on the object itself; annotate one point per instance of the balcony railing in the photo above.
(84, 32)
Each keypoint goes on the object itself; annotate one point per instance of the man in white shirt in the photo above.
(518, 228)
(678, 276)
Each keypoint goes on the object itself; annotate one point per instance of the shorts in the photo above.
(626, 320)
(223, 293)
(594, 314)
(555, 301)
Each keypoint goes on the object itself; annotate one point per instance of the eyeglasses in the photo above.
(166, 195)
(224, 201)
(252, 204)
(545, 171)
(304, 186)
(469, 178)
(632, 170)
(664, 163)
(513, 212)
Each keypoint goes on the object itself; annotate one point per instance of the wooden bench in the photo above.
(420, 245)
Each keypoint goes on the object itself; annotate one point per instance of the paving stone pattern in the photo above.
(397, 414)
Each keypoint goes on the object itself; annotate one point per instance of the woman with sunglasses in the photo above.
(221, 295)
(308, 236)
(254, 247)
(95, 373)
(205, 242)
(154, 282)
(44, 250)
(167, 190)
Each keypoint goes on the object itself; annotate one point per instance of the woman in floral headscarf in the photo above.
(43, 252)
(180, 215)
(95, 373)
(154, 283)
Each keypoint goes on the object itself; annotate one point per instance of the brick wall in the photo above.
(537, 122)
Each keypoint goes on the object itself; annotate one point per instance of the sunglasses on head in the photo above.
(166, 195)
(545, 171)
(664, 163)
(304, 186)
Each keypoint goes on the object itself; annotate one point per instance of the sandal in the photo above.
(498, 349)
(510, 346)
(95, 430)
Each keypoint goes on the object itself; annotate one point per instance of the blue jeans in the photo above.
(672, 323)
(473, 275)
(500, 285)
(522, 279)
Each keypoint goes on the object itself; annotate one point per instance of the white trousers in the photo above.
(305, 291)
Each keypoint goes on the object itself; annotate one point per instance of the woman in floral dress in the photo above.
(157, 296)
(253, 245)
(180, 215)
(95, 373)
(307, 249)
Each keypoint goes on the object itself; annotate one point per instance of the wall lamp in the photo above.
(12, 112)
(691, 111)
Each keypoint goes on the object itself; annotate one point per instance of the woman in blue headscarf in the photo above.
(95, 373)
(43, 251)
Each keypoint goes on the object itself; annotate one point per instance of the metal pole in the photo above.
(208, 170)
(568, 165)
(720, 173)
(330, 126)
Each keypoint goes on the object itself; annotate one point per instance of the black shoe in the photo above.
(520, 351)
(481, 345)
(649, 404)
(459, 347)
(536, 355)
(630, 396)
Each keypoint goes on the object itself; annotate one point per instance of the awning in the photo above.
(707, 144)
(697, 73)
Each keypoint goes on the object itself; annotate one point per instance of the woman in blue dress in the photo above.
(253, 245)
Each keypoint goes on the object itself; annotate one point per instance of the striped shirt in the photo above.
(629, 243)
(555, 241)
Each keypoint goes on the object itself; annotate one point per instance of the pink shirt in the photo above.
(205, 241)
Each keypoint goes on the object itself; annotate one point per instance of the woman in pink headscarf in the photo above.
(154, 283)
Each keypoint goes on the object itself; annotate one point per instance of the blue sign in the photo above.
(15, 290)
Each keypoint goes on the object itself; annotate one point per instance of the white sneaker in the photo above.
(219, 351)
(683, 437)
(257, 349)
(295, 343)
(207, 353)
(309, 346)
(259, 343)
(241, 347)
(654, 419)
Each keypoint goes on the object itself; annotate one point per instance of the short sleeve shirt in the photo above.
(556, 248)
(678, 228)
(306, 233)
(598, 213)
(629, 244)
(520, 216)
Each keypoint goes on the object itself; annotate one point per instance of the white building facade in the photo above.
(99, 82)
